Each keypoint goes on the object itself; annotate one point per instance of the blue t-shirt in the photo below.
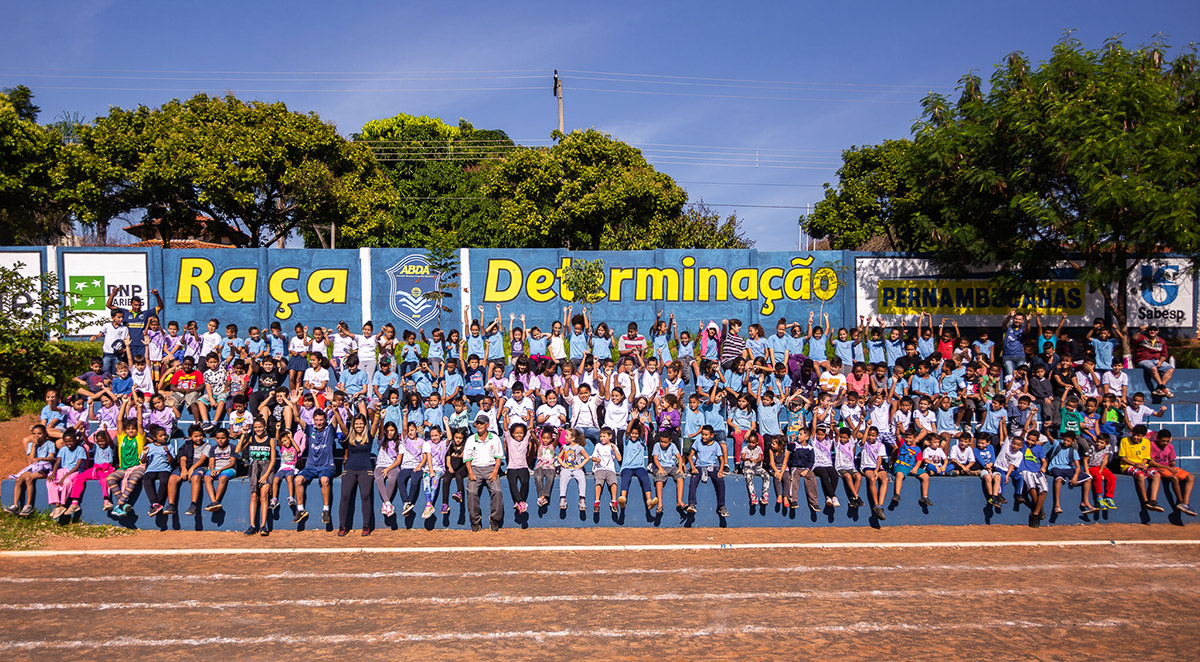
(926, 346)
(1104, 352)
(475, 345)
(320, 446)
(713, 416)
(354, 382)
(411, 353)
(951, 384)
(691, 422)
(1062, 457)
(685, 350)
(474, 381)
(230, 347)
(256, 347)
(795, 344)
(768, 419)
(742, 418)
(634, 456)
(434, 417)
(69, 457)
(985, 456)
(757, 347)
(122, 385)
(734, 381)
(946, 419)
(158, 458)
(927, 385)
(984, 348)
(423, 383)
(495, 347)
(667, 457)
(707, 455)
(452, 382)
(384, 381)
(1032, 461)
(579, 345)
(818, 348)
(892, 350)
(1013, 341)
(992, 420)
(105, 455)
(779, 346)
(601, 347)
(844, 350)
(537, 346)
(435, 350)
(278, 346)
(53, 415)
(661, 344)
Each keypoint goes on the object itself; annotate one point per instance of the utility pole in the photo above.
(558, 87)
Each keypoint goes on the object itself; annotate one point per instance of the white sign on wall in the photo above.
(29, 265)
(89, 278)
(1161, 292)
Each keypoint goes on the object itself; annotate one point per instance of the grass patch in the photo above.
(32, 532)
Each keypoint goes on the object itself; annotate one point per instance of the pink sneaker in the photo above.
(523, 506)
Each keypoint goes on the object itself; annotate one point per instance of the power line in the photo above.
(814, 88)
(735, 96)
(740, 80)
(749, 184)
(285, 80)
(283, 73)
(261, 90)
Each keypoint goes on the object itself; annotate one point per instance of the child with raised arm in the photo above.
(129, 468)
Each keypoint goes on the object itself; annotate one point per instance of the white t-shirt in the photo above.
(625, 381)
(851, 415)
(832, 383)
(556, 416)
(605, 457)
(557, 348)
(616, 416)
(113, 334)
(926, 420)
(209, 342)
(1137, 416)
(315, 377)
(343, 345)
(584, 412)
(366, 348)
(648, 384)
(517, 408)
(1117, 384)
(934, 455)
(1089, 384)
(962, 455)
(143, 380)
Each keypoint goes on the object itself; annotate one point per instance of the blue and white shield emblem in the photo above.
(409, 280)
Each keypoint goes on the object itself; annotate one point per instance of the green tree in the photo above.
(583, 282)
(697, 227)
(587, 192)
(29, 211)
(256, 166)
(442, 253)
(1089, 159)
(32, 315)
(875, 194)
(438, 172)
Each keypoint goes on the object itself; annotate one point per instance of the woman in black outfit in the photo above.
(357, 474)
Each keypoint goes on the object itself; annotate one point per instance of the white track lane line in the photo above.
(241, 551)
(439, 637)
(206, 605)
(571, 572)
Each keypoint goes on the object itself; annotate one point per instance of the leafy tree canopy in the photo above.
(438, 172)
(257, 166)
(587, 192)
(1090, 158)
(29, 213)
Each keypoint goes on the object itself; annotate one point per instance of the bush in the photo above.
(33, 367)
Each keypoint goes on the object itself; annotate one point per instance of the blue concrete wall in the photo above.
(957, 501)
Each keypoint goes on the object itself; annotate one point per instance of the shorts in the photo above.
(224, 473)
(1035, 481)
(1064, 474)
(259, 470)
(287, 473)
(311, 473)
(1139, 473)
(186, 399)
(673, 473)
(903, 470)
(847, 472)
(213, 401)
(606, 477)
(988, 473)
(1176, 473)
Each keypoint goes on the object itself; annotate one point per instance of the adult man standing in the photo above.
(135, 319)
(320, 467)
(1012, 341)
(482, 456)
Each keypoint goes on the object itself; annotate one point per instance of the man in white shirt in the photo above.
(482, 456)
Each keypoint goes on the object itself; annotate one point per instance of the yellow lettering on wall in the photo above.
(335, 292)
(247, 285)
(194, 273)
(540, 286)
(663, 283)
(770, 293)
(619, 276)
(284, 298)
(689, 278)
(491, 292)
(797, 282)
(826, 283)
(745, 284)
(707, 275)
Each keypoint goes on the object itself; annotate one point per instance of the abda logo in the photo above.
(1158, 284)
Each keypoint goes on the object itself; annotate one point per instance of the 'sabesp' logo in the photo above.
(408, 281)
(1158, 284)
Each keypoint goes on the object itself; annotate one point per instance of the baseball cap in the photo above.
(482, 419)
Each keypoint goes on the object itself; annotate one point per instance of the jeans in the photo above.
(1011, 363)
(718, 485)
(359, 480)
(408, 483)
(543, 481)
(429, 483)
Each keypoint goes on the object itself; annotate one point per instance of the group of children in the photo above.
(415, 418)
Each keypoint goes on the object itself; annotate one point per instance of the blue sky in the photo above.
(699, 86)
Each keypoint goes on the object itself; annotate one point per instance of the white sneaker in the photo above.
(387, 509)
(835, 502)
(428, 512)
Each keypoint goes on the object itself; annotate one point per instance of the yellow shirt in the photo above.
(1134, 451)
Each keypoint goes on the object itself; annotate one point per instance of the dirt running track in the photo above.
(881, 599)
